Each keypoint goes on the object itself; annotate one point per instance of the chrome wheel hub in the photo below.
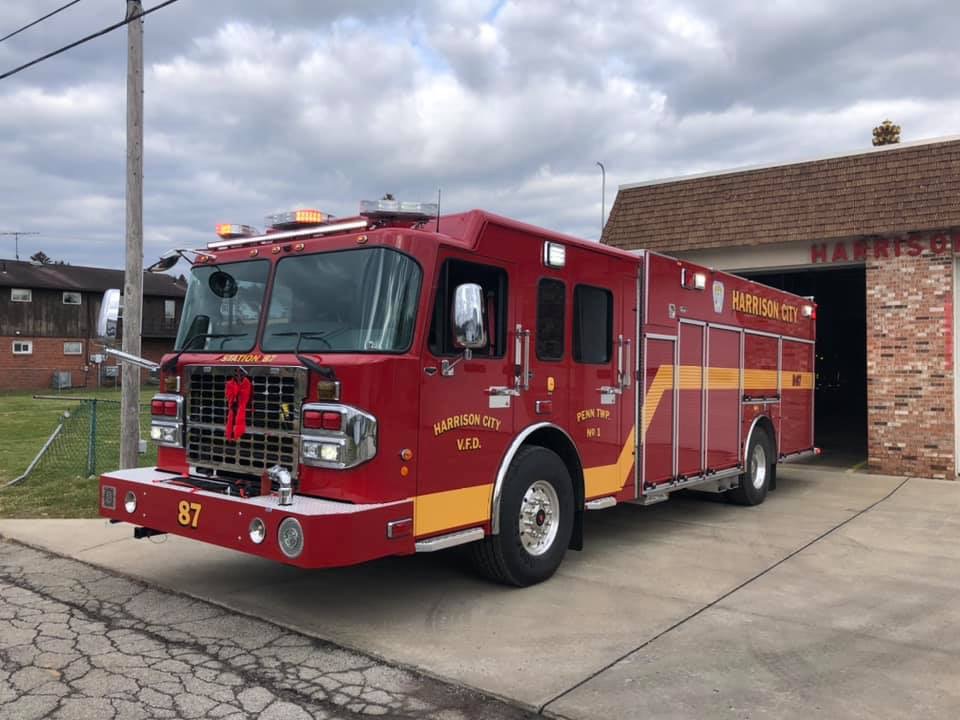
(539, 518)
(758, 466)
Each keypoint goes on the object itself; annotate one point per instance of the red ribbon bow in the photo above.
(238, 393)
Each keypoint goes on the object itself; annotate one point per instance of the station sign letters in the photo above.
(881, 248)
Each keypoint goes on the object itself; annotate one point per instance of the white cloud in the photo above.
(256, 107)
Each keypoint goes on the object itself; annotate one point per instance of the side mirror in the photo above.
(166, 261)
(108, 320)
(469, 328)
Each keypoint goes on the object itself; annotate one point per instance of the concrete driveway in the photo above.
(840, 596)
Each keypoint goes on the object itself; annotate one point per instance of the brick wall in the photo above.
(35, 371)
(910, 363)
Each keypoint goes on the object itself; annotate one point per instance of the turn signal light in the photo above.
(330, 420)
(163, 407)
(313, 419)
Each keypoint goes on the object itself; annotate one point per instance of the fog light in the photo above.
(258, 531)
(130, 501)
(290, 537)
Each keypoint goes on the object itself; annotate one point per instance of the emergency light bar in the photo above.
(288, 234)
(294, 218)
(395, 208)
(231, 230)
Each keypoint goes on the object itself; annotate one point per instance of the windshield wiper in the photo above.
(309, 363)
(171, 364)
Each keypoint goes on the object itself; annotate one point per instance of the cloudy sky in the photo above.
(252, 107)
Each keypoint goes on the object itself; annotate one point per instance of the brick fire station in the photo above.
(871, 236)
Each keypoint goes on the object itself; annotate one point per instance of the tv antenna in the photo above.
(16, 239)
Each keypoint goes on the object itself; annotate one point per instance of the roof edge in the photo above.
(768, 166)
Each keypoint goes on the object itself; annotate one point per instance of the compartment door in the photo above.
(659, 417)
(691, 408)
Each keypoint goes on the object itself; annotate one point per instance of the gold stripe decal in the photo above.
(451, 508)
(610, 479)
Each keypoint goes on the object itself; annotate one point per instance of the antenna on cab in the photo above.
(438, 209)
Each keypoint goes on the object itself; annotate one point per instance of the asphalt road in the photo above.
(79, 642)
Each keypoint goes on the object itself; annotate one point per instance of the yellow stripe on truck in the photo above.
(451, 508)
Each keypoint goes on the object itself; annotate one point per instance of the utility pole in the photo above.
(16, 240)
(603, 196)
(133, 276)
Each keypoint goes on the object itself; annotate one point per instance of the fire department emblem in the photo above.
(717, 296)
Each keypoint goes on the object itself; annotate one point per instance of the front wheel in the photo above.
(755, 482)
(536, 521)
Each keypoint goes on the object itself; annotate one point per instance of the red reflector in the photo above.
(170, 408)
(330, 420)
(156, 407)
(312, 419)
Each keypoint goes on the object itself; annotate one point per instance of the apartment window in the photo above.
(73, 347)
(21, 295)
(592, 324)
(170, 310)
(72, 298)
(551, 298)
(23, 347)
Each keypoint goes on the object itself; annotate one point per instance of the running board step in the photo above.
(442, 542)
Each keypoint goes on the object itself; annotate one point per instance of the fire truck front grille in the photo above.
(272, 422)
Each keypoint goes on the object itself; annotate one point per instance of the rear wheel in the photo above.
(536, 521)
(755, 482)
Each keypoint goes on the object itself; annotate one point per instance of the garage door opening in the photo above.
(841, 368)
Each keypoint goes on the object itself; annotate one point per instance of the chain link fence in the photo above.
(86, 442)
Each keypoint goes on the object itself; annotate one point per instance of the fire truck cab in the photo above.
(400, 382)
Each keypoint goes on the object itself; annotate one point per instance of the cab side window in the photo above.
(551, 301)
(592, 324)
(493, 280)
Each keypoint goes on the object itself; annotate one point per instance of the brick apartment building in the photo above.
(48, 322)
(872, 236)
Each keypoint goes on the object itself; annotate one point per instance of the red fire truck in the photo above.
(399, 382)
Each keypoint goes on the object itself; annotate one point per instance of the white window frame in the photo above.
(72, 293)
(26, 297)
(27, 347)
(77, 343)
(171, 306)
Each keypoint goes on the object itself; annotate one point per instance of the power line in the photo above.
(88, 38)
(39, 20)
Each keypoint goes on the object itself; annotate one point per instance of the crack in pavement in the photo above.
(79, 642)
(721, 598)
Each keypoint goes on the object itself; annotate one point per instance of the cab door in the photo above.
(466, 410)
(602, 384)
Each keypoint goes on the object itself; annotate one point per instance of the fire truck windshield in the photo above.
(222, 308)
(362, 300)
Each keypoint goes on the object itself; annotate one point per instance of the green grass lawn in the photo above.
(59, 487)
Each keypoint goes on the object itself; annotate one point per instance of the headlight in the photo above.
(165, 434)
(323, 451)
(352, 444)
(258, 531)
(290, 537)
(130, 501)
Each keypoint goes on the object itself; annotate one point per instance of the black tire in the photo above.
(755, 482)
(507, 557)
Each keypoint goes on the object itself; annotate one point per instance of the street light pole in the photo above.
(603, 195)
